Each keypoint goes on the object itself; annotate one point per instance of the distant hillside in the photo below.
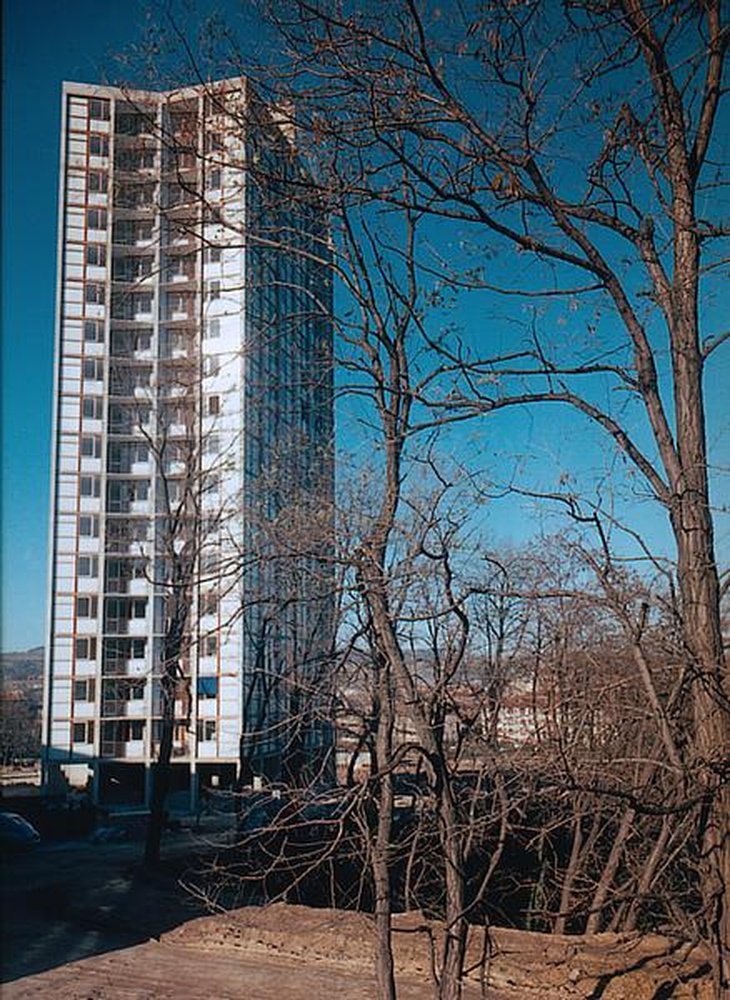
(22, 666)
(21, 698)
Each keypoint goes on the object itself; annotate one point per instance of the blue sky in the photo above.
(45, 42)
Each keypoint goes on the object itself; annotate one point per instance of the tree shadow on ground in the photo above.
(69, 901)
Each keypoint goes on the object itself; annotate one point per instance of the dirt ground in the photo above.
(84, 921)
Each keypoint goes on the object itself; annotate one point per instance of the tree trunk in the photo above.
(454, 948)
(691, 518)
(648, 875)
(595, 918)
(384, 969)
(161, 775)
(711, 747)
(700, 607)
(566, 890)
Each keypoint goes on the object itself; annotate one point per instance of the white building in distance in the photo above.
(193, 470)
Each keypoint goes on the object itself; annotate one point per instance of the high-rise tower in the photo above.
(193, 476)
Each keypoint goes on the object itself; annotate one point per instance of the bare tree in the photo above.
(602, 179)
(467, 120)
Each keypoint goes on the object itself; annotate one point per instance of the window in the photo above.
(214, 406)
(98, 180)
(96, 256)
(84, 690)
(122, 532)
(140, 268)
(145, 159)
(118, 650)
(96, 218)
(210, 646)
(122, 455)
(214, 179)
(210, 561)
(143, 302)
(89, 526)
(91, 447)
(86, 607)
(174, 492)
(133, 232)
(212, 214)
(87, 566)
(136, 729)
(122, 493)
(207, 687)
(180, 269)
(213, 141)
(122, 730)
(94, 369)
(120, 571)
(211, 444)
(211, 365)
(99, 145)
(93, 407)
(213, 255)
(209, 603)
(86, 648)
(115, 691)
(213, 328)
(99, 110)
(94, 328)
(206, 730)
(90, 486)
(120, 609)
(83, 732)
(179, 303)
(95, 294)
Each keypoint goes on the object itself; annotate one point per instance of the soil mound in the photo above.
(514, 963)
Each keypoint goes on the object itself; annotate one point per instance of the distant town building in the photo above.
(192, 443)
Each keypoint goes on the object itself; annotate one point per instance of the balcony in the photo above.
(128, 750)
(125, 668)
(128, 234)
(123, 388)
(119, 586)
(129, 420)
(135, 270)
(132, 165)
(139, 208)
(179, 315)
(180, 274)
(131, 345)
(126, 626)
(133, 307)
(135, 133)
(123, 708)
(183, 233)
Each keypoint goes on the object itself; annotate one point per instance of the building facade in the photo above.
(193, 476)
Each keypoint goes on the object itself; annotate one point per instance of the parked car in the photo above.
(16, 833)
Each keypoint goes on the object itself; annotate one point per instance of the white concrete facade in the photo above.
(193, 413)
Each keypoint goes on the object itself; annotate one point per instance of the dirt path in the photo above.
(160, 971)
